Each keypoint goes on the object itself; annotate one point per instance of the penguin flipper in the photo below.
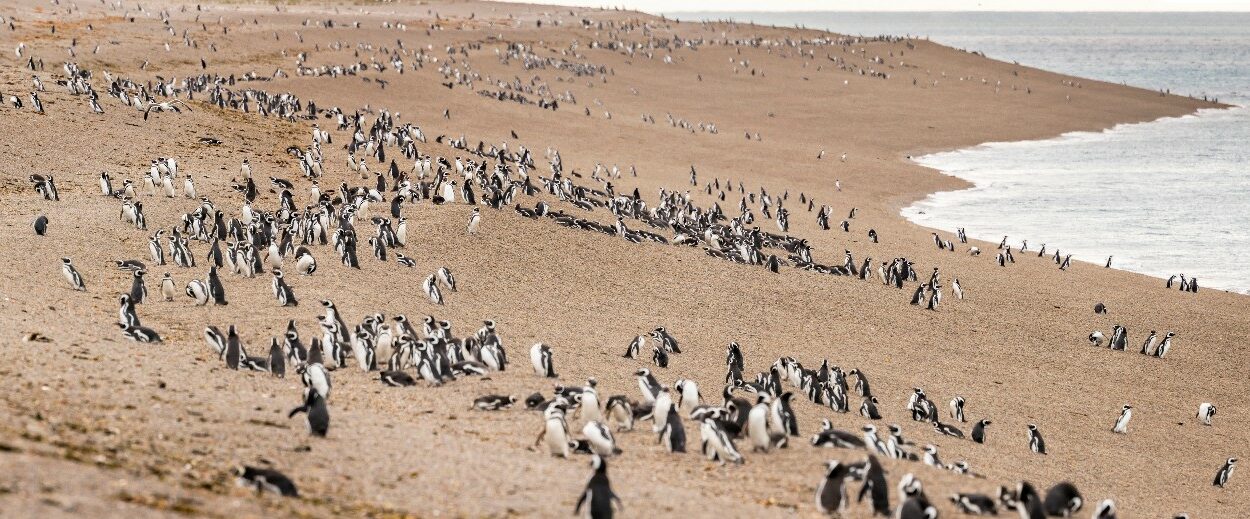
(297, 410)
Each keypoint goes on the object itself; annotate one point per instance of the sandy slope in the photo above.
(103, 426)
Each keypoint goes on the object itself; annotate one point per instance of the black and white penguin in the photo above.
(493, 402)
(717, 444)
(168, 288)
(673, 434)
(620, 413)
(430, 287)
(598, 496)
(1105, 510)
(1121, 423)
(830, 437)
(659, 357)
(1164, 346)
(266, 480)
(556, 429)
(648, 385)
(978, 430)
(313, 374)
(138, 289)
(448, 280)
(198, 291)
(1036, 443)
(688, 396)
(600, 439)
(831, 498)
(71, 275)
(541, 359)
(1028, 502)
(215, 340)
(1062, 500)
(1225, 472)
(1148, 343)
(277, 359)
(141, 334)
(974, 504)
(948, 430)
(666, 340)
(126, 315)
(216, 292)
(957, 408)
(1205, 412)
(40, 225)
(868, 409)
(318, 413)
(876, 487)
(631, 351)
(234, 353)
(282, 291)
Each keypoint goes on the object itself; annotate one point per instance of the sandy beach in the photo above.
(99, 426)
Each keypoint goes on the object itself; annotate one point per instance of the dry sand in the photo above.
(99, 426)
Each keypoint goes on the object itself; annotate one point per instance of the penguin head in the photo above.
(65, 261)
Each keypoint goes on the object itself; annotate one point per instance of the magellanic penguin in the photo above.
(540, 357)
(647, 385)
(555, 429)
(688, 395)
(978, 430)
(620, 412)
(168, 288)
(876, 487)
(831, 496)
(673, 435)
(1062, 500)
(318, 413)
(631, 351)
(598, 496)
(1225, 472)
(1205, 412)
(957, 408)
(266, 480)
(600, 438)
(975, 504)
(277, 359)
(1036, 443)
(1121, 423)
(40, 225)
(717, 445)
(71, 275)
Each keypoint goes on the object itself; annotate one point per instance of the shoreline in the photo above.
(913, 215)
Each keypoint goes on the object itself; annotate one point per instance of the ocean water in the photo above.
(1165, 197)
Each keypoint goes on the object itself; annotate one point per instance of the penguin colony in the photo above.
(266, 230)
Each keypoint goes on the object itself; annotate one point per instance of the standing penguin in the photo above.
(318, 413)
(1121, 423)
(475, 220)
(1221, 477)
(216, 292)
(168, 288)
(71, 275)
(673, 435)
(978, 431)
(40, 225)
(138, 290)
(631, 351)
(1036, 443)
(875, 484)
(555, 429)
(598, 495)
(957, 408)
(831, 493)
(1165, 345)
(277, 359)
(233, 353)
(540, 357)
(1205, 412)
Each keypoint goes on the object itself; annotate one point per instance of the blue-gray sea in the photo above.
(1165, 197)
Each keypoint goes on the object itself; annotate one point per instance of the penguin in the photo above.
(631, 351)
(1165, 345)
(717, 445)
(1150, 341)
(168, 288)
(277, 359)
(197, 291)
(673, 435)
(215, 340)
(71, 275)
(757, 425)
(475, 220)
(978, 430)
(648, 385)
(830, 437)
(540, 357)
(126, 313)
(959, 291)
(1205, 412)
(931, 457)
(233, 354)
(313, 374)
(1028, 503)
(600, 438)
(1121, 423)
(1097, 338)
(974, 504)
(831, 496)
(493, 402)
(140, 333)
(598, 496)
(1062, 500)
(555, 429)
(1226, 471)
(688, 395)
(138, 290)
(659, 411)
(659, 357)
(431, 290)
(262, 480)
(948, 430)
(305, 263)
(1036, 443)
(957, 408)
(216, 292)
(1100, 309)
(876, 486)
(1105, 510)
(868, 409)
(781, 417)
(318, 413)
(282, 291)
(40, 225)
(666, 340)
(621, 413)
(444, 275)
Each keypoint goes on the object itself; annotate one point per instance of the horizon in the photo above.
(910, 6)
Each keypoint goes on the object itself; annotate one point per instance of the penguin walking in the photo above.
(71, 275)
(1205, 412)
(318, 413)
(1121, 423)
(1036, 443)
(1225, 472)
(598, 496)
(540, 357)
(831, 496)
